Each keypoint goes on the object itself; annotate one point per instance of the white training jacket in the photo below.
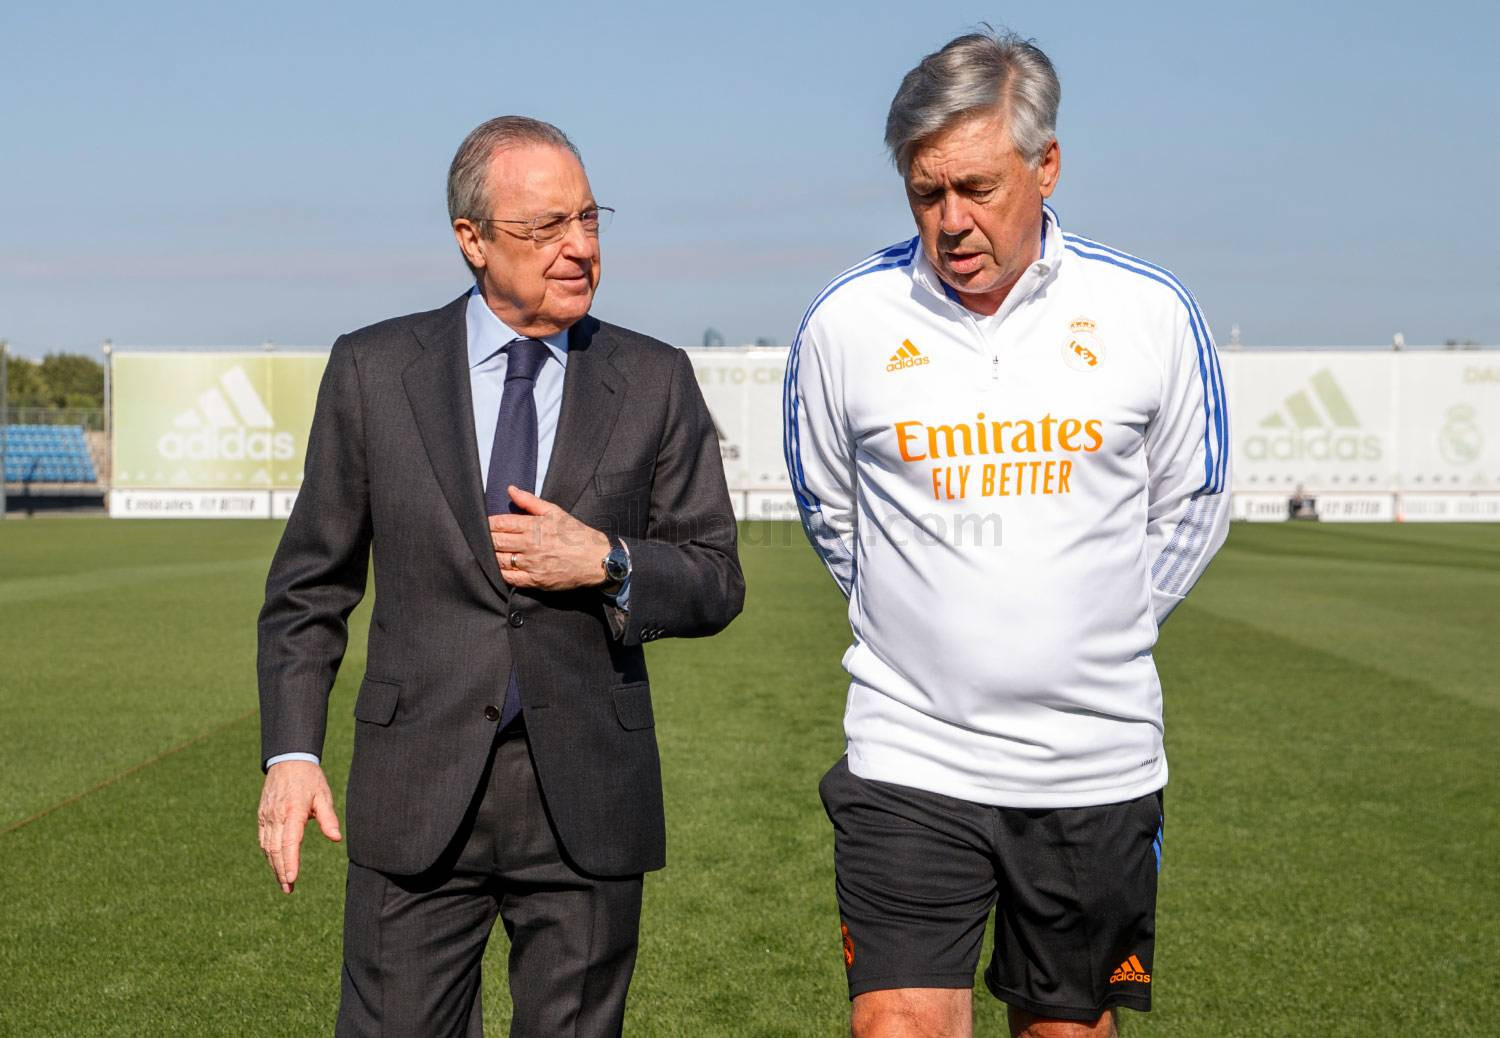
(1012, 505)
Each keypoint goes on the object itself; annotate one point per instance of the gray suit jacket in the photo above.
(393, 472)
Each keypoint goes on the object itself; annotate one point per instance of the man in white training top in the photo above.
(1009, 446)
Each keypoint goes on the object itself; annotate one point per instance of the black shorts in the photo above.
(918, 873)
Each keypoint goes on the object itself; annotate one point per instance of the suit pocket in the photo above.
(377, 701)
(607, 484)
(633, 706)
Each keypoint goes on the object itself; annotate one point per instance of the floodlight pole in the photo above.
(108, 348)
(4, 418)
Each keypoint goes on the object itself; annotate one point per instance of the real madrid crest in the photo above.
(1082, 351)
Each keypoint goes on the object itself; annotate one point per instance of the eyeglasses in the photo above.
(548, 227)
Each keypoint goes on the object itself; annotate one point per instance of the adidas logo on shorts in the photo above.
(1130, 970)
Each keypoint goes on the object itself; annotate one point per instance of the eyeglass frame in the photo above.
(562, 223)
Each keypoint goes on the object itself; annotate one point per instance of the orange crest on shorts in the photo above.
(848, 946)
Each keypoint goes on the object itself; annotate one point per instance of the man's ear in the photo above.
(468, 236)
(1049, 169)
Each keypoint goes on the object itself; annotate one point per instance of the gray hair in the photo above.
(982, 70)
(467, 197)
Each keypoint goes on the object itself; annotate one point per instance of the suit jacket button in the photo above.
(517, 619)
(491, 713)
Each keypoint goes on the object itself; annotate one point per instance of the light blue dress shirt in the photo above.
(488, 337)
(488, 360)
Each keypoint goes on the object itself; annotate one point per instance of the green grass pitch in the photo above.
(1332, 859)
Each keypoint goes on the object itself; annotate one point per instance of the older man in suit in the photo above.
(541, 493)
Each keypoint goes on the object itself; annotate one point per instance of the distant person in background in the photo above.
(997, 375)
(1300, 506)
(542, 493)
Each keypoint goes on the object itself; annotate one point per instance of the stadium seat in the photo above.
(48, 454)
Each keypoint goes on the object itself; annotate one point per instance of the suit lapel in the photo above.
(592, 394)
(437, 386)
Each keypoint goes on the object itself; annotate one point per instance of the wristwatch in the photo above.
(616, 566)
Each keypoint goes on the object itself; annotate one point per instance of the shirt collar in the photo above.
(1052, 240)
(1037, 275)
(488, 335)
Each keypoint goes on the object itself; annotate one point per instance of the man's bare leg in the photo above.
(913, 1013)
(1028, 1025)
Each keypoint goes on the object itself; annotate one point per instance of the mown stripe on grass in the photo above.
(106, 783)
(1406, 636)
(29, 589)
(1379, 544)
(1327, 810)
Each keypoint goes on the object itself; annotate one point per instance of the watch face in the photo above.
(616, 564)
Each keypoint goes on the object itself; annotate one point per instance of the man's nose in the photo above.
(954, 216)
(577, 243)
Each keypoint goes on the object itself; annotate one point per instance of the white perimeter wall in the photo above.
(1374, 436)
(1397, 422)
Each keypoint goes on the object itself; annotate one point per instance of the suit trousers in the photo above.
(413, 945)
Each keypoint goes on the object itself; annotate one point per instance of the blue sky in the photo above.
(204, 174)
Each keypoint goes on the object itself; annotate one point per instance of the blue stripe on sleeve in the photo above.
(1208, 366)
(898, 255)
(1169, 571)
(1215, 424)
(1212, 374)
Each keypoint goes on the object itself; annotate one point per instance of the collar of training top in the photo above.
(1037, 275)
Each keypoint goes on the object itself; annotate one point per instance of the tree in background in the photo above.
(57, 380)
(73, 380)
(24, 386)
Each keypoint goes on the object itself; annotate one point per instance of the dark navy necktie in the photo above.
(513, 457)
(513, 453)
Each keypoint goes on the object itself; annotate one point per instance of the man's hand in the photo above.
(295, 791)
(546, 547)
